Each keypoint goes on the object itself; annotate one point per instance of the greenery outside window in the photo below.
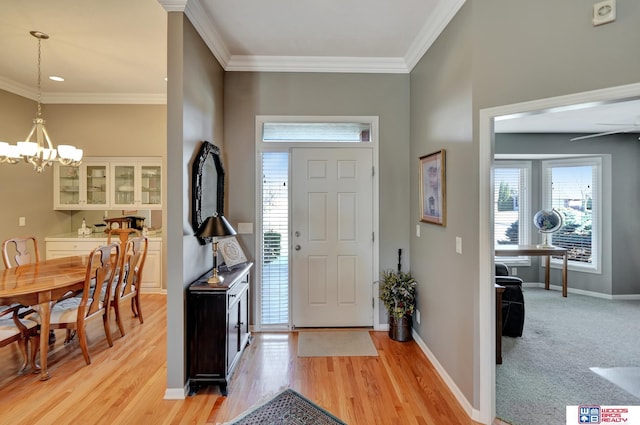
(573, 187)
(511, 208)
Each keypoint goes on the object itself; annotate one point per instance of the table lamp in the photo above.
(215, 226)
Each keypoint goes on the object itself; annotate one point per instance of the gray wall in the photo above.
(195, 114)
(248, 94)
(441, 118)
(503, 53)
(620, 245)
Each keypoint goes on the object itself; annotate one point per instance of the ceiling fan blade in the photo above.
(606, 133)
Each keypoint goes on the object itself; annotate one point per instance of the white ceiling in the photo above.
(114, 51)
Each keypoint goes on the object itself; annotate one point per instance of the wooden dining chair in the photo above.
(24, 250)
(13, 329)
(122, 234)
(133, 257)
(73, 313)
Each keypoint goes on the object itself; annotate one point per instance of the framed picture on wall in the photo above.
(433, 199)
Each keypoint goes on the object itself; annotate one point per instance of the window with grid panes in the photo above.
(572, 187)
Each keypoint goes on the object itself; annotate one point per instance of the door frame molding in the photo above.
(486, 411)
(261, 147)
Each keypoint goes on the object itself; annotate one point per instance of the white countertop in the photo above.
(100, 235)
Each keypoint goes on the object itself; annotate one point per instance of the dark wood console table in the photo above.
(217, 327)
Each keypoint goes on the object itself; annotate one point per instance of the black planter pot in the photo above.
(400, 329)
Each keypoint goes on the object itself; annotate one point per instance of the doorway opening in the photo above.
(487, 117)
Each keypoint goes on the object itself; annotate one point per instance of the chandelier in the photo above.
(39, 152)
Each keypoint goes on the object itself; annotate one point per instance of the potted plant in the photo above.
(398, 293)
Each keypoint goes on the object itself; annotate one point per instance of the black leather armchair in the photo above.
(512, 301)
(504, 278)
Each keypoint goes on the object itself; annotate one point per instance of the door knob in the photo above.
(298, 247)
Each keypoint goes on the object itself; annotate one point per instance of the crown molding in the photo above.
(203, 24)
(17, 88)
(202, 21)
(173, 5)
(83, 98)
(105, 98)
(317, 64)
(437, 22)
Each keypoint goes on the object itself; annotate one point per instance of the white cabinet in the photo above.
(136, 185)
(109, 183)
(85, 187)
(152, 272)
(68, 246)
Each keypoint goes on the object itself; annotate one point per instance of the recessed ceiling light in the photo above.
(55, 78)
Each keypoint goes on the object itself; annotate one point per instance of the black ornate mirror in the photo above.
(208, 186)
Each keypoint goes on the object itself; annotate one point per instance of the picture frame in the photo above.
(433, 195)
(231, 251)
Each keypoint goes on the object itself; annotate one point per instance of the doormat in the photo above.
(287, 408)
(335, 344)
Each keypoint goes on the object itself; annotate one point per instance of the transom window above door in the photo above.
(316, 132)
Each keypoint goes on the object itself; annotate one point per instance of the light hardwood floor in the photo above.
(125, 384)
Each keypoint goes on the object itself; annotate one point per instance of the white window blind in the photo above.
(571, 187)
(275, 240)
(511, 202)
(316, 132)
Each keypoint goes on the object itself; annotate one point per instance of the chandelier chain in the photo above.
(39, 76)
(37, 148)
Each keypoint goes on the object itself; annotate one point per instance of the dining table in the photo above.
(40, 285)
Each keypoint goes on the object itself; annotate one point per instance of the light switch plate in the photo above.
(604, 12)
(245, 228)
(458, 244)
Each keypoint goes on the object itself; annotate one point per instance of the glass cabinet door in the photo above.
(69, 185)
(96, 184)
(124, 179)
(151, 180)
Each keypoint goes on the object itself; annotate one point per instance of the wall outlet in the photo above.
(514, 271)
(417, 316)
(22, 221)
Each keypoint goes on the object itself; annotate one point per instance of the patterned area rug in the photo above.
(287, 408)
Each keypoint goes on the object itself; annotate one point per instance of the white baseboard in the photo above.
(176, 393)
(157, 291)
(473, 413)
(583, 292)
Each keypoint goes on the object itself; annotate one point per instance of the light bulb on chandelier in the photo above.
(39, 153)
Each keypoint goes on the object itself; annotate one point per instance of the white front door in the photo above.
(332, 237)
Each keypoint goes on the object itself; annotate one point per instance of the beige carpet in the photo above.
(335, 344)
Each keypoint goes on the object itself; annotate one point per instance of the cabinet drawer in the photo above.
(235, 293)
(75, 245)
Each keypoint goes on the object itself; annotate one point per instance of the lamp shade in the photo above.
(215, 226)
